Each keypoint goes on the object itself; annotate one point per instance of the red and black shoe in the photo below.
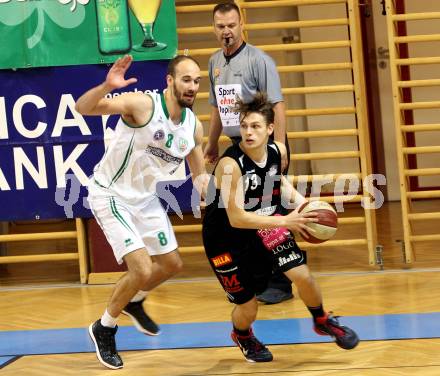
(252, 349)
(328, 325)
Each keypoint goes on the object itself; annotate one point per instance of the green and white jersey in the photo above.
(138, 157)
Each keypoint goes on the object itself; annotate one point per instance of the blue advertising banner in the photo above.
(47, 149)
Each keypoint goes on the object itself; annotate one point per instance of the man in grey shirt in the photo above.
(239, 69)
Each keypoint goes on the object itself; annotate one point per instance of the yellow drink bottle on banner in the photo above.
(113, 26)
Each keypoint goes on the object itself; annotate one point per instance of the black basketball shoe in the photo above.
(105, 345)
(141, 320)
(345, 337)
(252, 349)
(274, 296)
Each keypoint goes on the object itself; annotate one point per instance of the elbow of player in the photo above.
(234, 221)
(79, 108)
(237, 221)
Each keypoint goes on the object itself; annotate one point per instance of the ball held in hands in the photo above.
(327, 224)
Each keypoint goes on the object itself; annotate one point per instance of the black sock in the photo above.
(242, 333)
(316, 312)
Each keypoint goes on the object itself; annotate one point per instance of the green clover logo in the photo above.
(14, 13)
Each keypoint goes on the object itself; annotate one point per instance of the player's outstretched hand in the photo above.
(116, 75)
(297, 221)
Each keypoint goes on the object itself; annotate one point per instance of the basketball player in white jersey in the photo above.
(154, 135)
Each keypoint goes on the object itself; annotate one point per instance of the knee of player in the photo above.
(305, 279)
(300, 275)
(140, 276)
(173, 267)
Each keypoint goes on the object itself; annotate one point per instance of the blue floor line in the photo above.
(4, 360)
(216, 334)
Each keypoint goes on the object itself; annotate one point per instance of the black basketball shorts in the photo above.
(244, 266)
(288, 255)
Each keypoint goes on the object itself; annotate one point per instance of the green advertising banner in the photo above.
(42, 33)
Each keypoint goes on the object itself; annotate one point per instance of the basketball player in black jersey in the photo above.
(245, 236)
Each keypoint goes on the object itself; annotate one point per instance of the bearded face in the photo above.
(184, 83)
(184, 97)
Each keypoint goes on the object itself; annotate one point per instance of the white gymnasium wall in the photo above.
(319, 78)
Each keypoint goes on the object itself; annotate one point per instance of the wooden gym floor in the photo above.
(44, 313)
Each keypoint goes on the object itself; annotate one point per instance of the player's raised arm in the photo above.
(135, 107)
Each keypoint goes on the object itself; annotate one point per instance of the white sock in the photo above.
(108, 320)
(140, 295)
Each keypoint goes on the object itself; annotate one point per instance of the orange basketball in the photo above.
(327, 223)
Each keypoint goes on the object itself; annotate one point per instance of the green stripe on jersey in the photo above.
(125, 162)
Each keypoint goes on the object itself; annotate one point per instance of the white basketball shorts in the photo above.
(129, 227)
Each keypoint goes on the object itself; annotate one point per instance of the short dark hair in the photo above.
(225, 7)
(175, 62)
(259, 104)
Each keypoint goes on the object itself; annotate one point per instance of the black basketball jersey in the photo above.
(262, 188)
